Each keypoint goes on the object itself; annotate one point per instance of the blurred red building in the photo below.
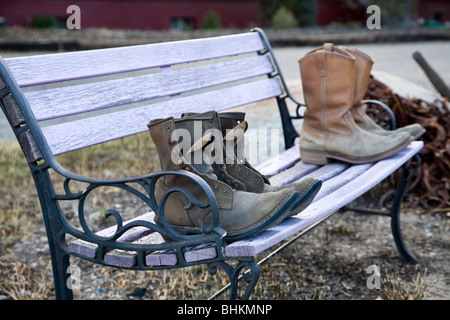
(190, 14)
(345, 11)
(329, 11)
(134, 14)
(434, 10)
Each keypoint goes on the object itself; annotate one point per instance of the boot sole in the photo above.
(281, 212)
(322, 158)
(306, 197)
(279, 215)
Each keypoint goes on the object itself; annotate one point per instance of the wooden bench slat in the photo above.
(197, 253)
(280, 162)
(327, 172)
(64, 101)
(86, 132)
(88, 249)
(121, 258)
(324, 207)
(297, 171)
(127, 259)
(41, 69)
(140, 235)
(340, 180)
(301, 170)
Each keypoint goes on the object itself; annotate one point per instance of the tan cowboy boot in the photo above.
(329, 130)
(237, 168)
(241, 214)
(363, 66)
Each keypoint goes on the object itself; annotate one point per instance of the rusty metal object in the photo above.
(431, 187)
(432, 75)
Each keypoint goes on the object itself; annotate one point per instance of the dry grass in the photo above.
(396, 288)
(22, 282)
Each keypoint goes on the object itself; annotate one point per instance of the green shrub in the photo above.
(283, 19)
(45, 20)
(211, 20)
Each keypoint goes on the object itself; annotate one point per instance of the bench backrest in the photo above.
(85, 98)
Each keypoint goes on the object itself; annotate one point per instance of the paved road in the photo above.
(394, 58)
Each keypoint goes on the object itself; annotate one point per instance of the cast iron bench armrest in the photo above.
(211, 232)
(385, 108)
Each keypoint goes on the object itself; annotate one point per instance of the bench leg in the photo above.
(59, 257)
(396, 208)
(251, 276)
(60, 266)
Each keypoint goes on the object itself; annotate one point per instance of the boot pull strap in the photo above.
(320, 59)
(237, 133)
(200, 143)
(328, 47)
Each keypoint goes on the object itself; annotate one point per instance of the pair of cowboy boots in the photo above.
(247, 203)
(336, 126)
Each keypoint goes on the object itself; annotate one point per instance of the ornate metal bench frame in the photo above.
(41, 160)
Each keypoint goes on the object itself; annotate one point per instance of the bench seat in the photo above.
(342, 183)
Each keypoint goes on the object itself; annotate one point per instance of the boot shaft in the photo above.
(229, 120)
(163, 133)
(328, 80)
(166, 134)
(178, 140)
(233, 168)
(363, 67)
(233, 126)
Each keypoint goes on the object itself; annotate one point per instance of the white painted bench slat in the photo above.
(296, 172)
(336, 182)
(280, 162)
(328, 171)
(42, 69)
(78, 134)
(64, 101)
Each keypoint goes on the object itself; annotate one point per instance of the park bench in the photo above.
(217, 73)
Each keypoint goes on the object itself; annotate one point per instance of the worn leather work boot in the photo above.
(237, 168)
(233, 126)
(329, 130)
(241, 214)
(363, 67)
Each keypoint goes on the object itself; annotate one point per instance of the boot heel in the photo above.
(313, 158)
